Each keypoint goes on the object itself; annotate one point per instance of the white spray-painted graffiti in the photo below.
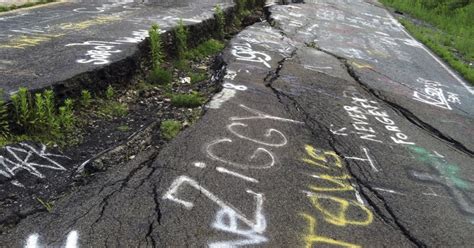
(433, 94)
(106, 6)
(228, 212)
(360, 111)
(71, 241)
(228, 219)
(21, 159)
(103, 50)
(245, 52)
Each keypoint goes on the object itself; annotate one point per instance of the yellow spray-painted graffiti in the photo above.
(322, 159)
(339, 215)
(334, 210)
(361, 65)
(24, 41)
(311, 237)
(88, 23)
(335, 180)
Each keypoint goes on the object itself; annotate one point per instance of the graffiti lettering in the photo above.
(246, 53)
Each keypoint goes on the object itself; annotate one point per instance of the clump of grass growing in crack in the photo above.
(220, 19)
(181, 34)
(156, 45)
(170, 128)
(160, 76)
(191, 100)
(205, 49)
(86, 98)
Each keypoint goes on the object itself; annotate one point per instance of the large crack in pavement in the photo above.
(387, 215)
(407, 114)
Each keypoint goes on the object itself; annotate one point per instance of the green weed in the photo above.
(86, 98)
(20, 101)
(220, 19)
(4, 123)
(191, 100)
(170, 128)
(66, 118)
(156, 45)
(111, 108)
(160, 76)
(110, 93)
(181, 34)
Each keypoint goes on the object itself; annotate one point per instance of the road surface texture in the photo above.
(334, 128)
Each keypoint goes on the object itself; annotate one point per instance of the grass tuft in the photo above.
(160, 76)
(191, 100)
(170, 128)
(205, 49)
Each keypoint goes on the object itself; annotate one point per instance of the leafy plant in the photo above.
(156, 45)
(66, 115)
(86, 98)
(181, 34)
(170, 128)
(220, 19)
(110, 93)
(187, 100)
(4, 124)
(160, 76)
(21, 105)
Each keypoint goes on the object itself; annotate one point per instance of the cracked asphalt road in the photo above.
(325, 134)
(48, 45)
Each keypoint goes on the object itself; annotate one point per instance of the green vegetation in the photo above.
(123, 128)
(156, 45)
(205, 49)
(39, 119)
(197, 77)
(111, 108)
(160, 76)
(47, 205)
(4, 8)
(4, 125)
(181, 34)
(452, 36)
(86, 98)
(191, 100)
(220, 19)
(170, 128)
